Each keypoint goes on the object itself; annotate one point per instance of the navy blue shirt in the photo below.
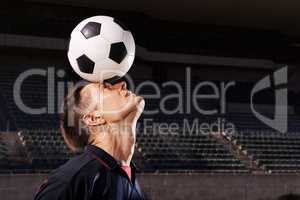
(93, 175)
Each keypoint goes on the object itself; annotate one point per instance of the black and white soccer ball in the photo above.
(101, 48)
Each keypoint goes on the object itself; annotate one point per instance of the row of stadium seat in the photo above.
(45, 148)
(200, 154)
(162, 152)
(277, 152)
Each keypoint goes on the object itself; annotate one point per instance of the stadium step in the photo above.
(248, 160)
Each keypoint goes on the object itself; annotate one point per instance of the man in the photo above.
(101, 118)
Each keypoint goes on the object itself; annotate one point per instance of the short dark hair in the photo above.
(75, 134)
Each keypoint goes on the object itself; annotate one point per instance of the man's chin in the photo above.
(135, 109)
(140, 104)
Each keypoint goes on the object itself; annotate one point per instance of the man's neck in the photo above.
(119, 142)
(119, 139)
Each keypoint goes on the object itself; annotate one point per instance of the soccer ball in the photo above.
(100, 49)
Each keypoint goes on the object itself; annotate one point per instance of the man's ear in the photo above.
(93, 119)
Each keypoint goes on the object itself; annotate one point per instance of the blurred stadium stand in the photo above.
(274, 151)
(44, 148)
(39, 29)
(173, 165)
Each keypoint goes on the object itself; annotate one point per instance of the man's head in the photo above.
(92, 107)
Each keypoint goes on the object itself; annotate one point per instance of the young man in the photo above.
(100, 118)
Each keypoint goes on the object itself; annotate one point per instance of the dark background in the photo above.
(220, 41)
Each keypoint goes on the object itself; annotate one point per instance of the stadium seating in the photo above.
(179, 152)
(46, 148)
(277, 152)
(159, 151)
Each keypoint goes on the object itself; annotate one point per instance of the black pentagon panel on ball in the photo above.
(91, 29)
(117, 52)
(85, 64)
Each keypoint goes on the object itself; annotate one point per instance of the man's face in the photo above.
(114, 102)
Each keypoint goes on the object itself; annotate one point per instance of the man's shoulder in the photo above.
(79, 165)
(72, 177)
